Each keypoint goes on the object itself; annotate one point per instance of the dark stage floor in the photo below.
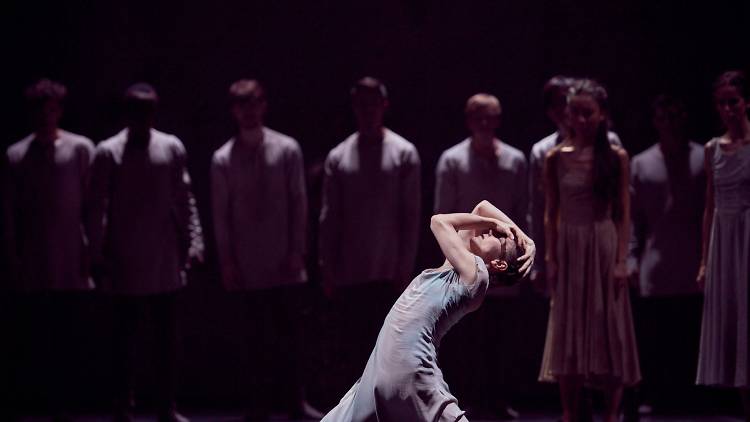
(229, 417)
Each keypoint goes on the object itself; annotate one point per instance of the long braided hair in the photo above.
(606, 165)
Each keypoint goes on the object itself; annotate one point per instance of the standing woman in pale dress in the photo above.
(725, 267)
(590, 337)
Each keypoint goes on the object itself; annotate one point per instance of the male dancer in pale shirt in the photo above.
(668, 185)
(260, 219)
(481, 167)
(140, 223)
(46, 183)
(368, 222)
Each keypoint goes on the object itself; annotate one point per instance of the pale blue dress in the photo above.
(723, 358)
(402, 380)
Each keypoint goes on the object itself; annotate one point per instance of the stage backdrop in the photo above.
(431, 54)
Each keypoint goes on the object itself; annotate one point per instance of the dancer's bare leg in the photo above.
(612, 399)
(570, 392)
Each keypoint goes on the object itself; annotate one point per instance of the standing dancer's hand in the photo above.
(538, 279)
(194, 259)
(293, 264)
(701, 278)
(551, 273)
(529, 250)
(621, 274)
(634, 274)
(329, 291)
(328, 282)
(230, 277)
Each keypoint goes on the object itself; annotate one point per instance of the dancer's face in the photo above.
(488, 245)
(483, 121)
(249, 113)
(584, 115)
(731, 106)
(671, 122)
(48, 114)
(556, 110)
(140, 115)
(369, 109)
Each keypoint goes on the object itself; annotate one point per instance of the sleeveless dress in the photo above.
(402, 380)
(723, 358)
(590, 328)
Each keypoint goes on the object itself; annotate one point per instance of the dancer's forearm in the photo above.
(464, 221)
(708, 210)
(623, 225)
(486, 209)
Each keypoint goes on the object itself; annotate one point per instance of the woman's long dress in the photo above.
(723, 358)
(590, 329)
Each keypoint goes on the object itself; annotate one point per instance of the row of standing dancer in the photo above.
(131, 195)
(688, 208)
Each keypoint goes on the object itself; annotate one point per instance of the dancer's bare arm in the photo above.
(623, 225)
(551, 209)
(708, 211)
(486, 209)
(445, 227)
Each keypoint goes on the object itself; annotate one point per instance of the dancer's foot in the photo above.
(304, 410)
(62, 417)
(172, 415)
(122, 416)
(506, 413)
(255, 415)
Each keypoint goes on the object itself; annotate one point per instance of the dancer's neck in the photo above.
(562, 132)
(485, 146)
(739, 133)
(374, 136)
(581, 142)
(139, 136)
(250, 137)
(671, 143)
(47, 135)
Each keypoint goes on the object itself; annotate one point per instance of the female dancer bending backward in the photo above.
(402, 381)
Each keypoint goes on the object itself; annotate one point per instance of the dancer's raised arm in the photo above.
(486, 209)
(445, 227)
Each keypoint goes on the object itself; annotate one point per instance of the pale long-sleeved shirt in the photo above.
(536, 190)
(370, 215)
(140, 217)
(44, 209)
(259, 210)
(465, 178)
(667, 212)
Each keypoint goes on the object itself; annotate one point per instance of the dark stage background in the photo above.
(431, 54)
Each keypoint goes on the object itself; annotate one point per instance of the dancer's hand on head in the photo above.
(529, 250)
(501, 229)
